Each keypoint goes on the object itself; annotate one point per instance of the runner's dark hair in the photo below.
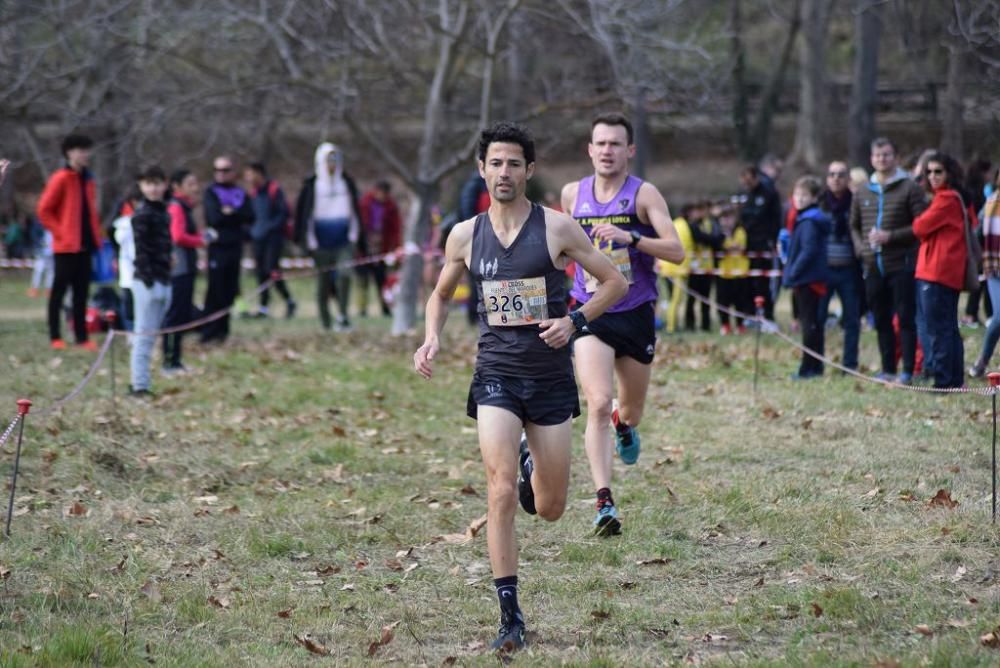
(506, 132)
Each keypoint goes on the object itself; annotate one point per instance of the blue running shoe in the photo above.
(626, 440)
(607, 523)
(510, 636)
(525, 494)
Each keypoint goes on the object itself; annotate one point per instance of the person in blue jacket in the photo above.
(806, 270)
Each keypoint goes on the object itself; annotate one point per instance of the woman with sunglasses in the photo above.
(941, 266)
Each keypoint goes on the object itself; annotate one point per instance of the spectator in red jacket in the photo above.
(383, 232)
(68, 209)
(940, 270)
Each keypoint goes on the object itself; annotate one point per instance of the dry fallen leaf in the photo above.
(600, 614)
(151, 590)
(232, 510)
(942, 499)
(923, 630)
(219, 601)
(991, 639)
(311, 644)
(387, 635)
(76, 510)
(469, 490)
(285, 614)
(4, 572)
(475, 526)
(771, 413)
(394, 565)
(817, 610)
(324, 571)
(658, 561)
(959, 574)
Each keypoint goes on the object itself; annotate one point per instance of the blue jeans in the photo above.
(940, 308)
(150, 305)
(924, 339)
(993, 331)
(845, 283)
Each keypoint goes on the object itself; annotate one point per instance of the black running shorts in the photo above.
(631, 333)
(543, 402)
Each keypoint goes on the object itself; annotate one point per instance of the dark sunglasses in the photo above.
(223, 169)
(935, 171)
(837, 175)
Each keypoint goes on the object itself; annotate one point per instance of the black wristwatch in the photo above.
(635, 238)
(578, 319)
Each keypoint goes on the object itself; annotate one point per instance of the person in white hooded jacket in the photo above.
(327, 225)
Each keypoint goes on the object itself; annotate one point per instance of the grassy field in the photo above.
(305, 494)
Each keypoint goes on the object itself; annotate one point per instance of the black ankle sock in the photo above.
(604, 496)
(507, 596)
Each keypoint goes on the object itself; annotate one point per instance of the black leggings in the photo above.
(72, 271)
(267, 256)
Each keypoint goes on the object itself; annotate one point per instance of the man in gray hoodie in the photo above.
(881, 226)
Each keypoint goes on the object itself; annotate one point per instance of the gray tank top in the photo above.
(517, 286)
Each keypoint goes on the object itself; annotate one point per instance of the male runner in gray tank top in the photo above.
(628, 219)
(517, 252)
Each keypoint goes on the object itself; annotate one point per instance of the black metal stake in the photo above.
(23, 406)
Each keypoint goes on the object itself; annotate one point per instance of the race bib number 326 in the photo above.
(522, 301)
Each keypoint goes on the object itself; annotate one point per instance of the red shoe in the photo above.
(87, 345)
(725, 330)
(57, 344)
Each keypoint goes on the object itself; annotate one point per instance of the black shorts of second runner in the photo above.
(543, 402)
(630, 333)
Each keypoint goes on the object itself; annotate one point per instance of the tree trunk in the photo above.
(761, 135)
(741, 108)
(418, 231)
(864, 94)
(952, 106)
(640, 123)
(809, 146)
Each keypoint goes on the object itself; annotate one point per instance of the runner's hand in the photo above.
(424, 356)
(556, 332)
(614, 233)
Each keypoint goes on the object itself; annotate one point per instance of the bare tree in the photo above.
(809, 144)
(864, 96)
(753, 138)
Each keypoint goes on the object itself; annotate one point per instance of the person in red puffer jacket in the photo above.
(940, 270)
(68, 209)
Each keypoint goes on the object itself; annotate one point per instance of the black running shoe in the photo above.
(510, 636)
(525, 494)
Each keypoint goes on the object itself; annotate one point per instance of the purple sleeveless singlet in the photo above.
(620, 211)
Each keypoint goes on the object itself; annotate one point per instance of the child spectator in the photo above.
(707, 237)
(732, 286)
(676, 275)
(122, 227)
(806, 271)
(151, 280)
(186, 239)
(43, 270)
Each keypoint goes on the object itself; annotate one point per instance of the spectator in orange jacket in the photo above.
(68, 209)
(940, 270)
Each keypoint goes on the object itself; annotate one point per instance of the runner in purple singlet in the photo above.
(626, 218)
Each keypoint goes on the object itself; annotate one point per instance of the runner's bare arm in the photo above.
(575, 244)
(568, 197)
(436, 313)
(652, 210)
